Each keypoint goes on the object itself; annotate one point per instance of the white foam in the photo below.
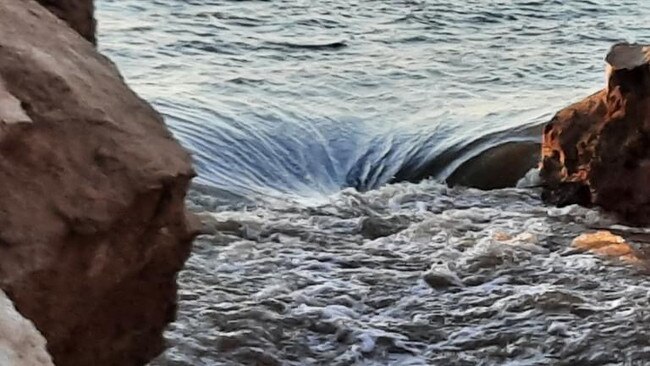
(531, 179)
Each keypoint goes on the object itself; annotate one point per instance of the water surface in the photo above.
(308, 97)
(303, 115)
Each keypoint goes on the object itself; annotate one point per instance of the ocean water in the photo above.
(311, 124)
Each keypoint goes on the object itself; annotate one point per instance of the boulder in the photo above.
(500, 166)
(93, 226)
(597, 151)
(79, 14)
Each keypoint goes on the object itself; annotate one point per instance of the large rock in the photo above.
(597, 151)
(79, 14)
(93, 227)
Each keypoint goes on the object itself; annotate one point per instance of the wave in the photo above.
(275, 100)
(266, 156)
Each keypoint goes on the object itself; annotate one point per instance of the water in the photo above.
(406, 275)
(303, 117)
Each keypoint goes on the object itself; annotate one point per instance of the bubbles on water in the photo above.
(454, 277)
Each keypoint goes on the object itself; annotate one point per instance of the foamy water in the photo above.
(406, 275)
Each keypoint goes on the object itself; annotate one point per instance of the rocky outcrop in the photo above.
(79, 14)
(20, 342)
(597, 151)
(93, 227)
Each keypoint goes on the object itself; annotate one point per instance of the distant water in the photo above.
(303, 115)
(308, 97)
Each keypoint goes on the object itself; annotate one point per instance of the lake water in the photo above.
(306, 119)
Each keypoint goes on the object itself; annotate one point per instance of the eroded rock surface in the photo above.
(597, 151)
(93, 227)
(79, 14)
(11, 110)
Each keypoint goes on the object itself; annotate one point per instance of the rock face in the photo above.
(20, 342)
(79, 14)
(93, 227)
(597, 151)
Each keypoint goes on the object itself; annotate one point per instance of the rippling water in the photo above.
(307, 97)
(292, 108)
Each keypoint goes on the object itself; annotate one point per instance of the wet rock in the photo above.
(440, 276)
(606, 244)
(93, 227)
(20, 342)
(597, 151)
(79, 14)
(210, 225)
(501, 166)
(379, 227)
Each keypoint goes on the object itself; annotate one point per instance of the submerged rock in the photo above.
(93, 227)
(501, 166)
(597, 151)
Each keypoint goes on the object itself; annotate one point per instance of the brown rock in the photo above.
(597, 151)
(606, 244)
(79, 14)
(93, 227)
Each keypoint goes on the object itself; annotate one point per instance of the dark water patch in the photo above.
(328, 45)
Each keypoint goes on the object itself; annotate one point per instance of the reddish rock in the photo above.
(79, 14)
(93, 227)
(597, 151)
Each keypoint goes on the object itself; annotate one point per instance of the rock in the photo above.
(79, 14)
(440, 276)
(210, 225)
(93, 226)
(597, 151)
(378, 227)
(20, 342)
(500, 166)
(495, 161)
(605, 244)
